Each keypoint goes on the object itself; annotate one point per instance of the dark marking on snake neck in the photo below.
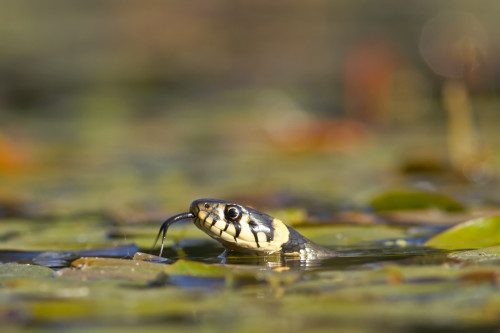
(269, 236)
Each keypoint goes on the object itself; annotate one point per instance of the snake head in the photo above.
(244, 229)
(239, 227)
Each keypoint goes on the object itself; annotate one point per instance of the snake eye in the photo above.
(232, 213)
(206, 205)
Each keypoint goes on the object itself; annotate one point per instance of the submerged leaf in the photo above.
(476, 233)
(408, 200)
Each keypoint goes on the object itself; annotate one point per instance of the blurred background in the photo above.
(146, 105)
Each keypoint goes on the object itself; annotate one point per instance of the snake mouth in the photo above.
(168, 223)
(213, 225)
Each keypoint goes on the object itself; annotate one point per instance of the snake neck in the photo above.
(298, 245)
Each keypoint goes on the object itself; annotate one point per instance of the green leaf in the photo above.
(410, 200)
(106, 268)
(193, 268)
(487, 255)
(61, 235)
(112, 262)
(23, 271)
(108, 273)
(473, 234)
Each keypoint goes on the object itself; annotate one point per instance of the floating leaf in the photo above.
(108, 262)
(476, 233)
(409, 200)
(106, 268)
(21, 271)
(141, 256)
(108, 273)
(488, 255)
(62, 235)
(63, 258)
(193, 268)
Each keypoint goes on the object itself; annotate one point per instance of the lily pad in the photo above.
(473, 234)
(108, 273)
(193, 268)
(141, 256)
(108, 262)
(411, 200)
(63, 235)
(106, 268)
(20, 271)
(488, 255)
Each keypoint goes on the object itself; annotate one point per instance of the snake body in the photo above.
(243, 229)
